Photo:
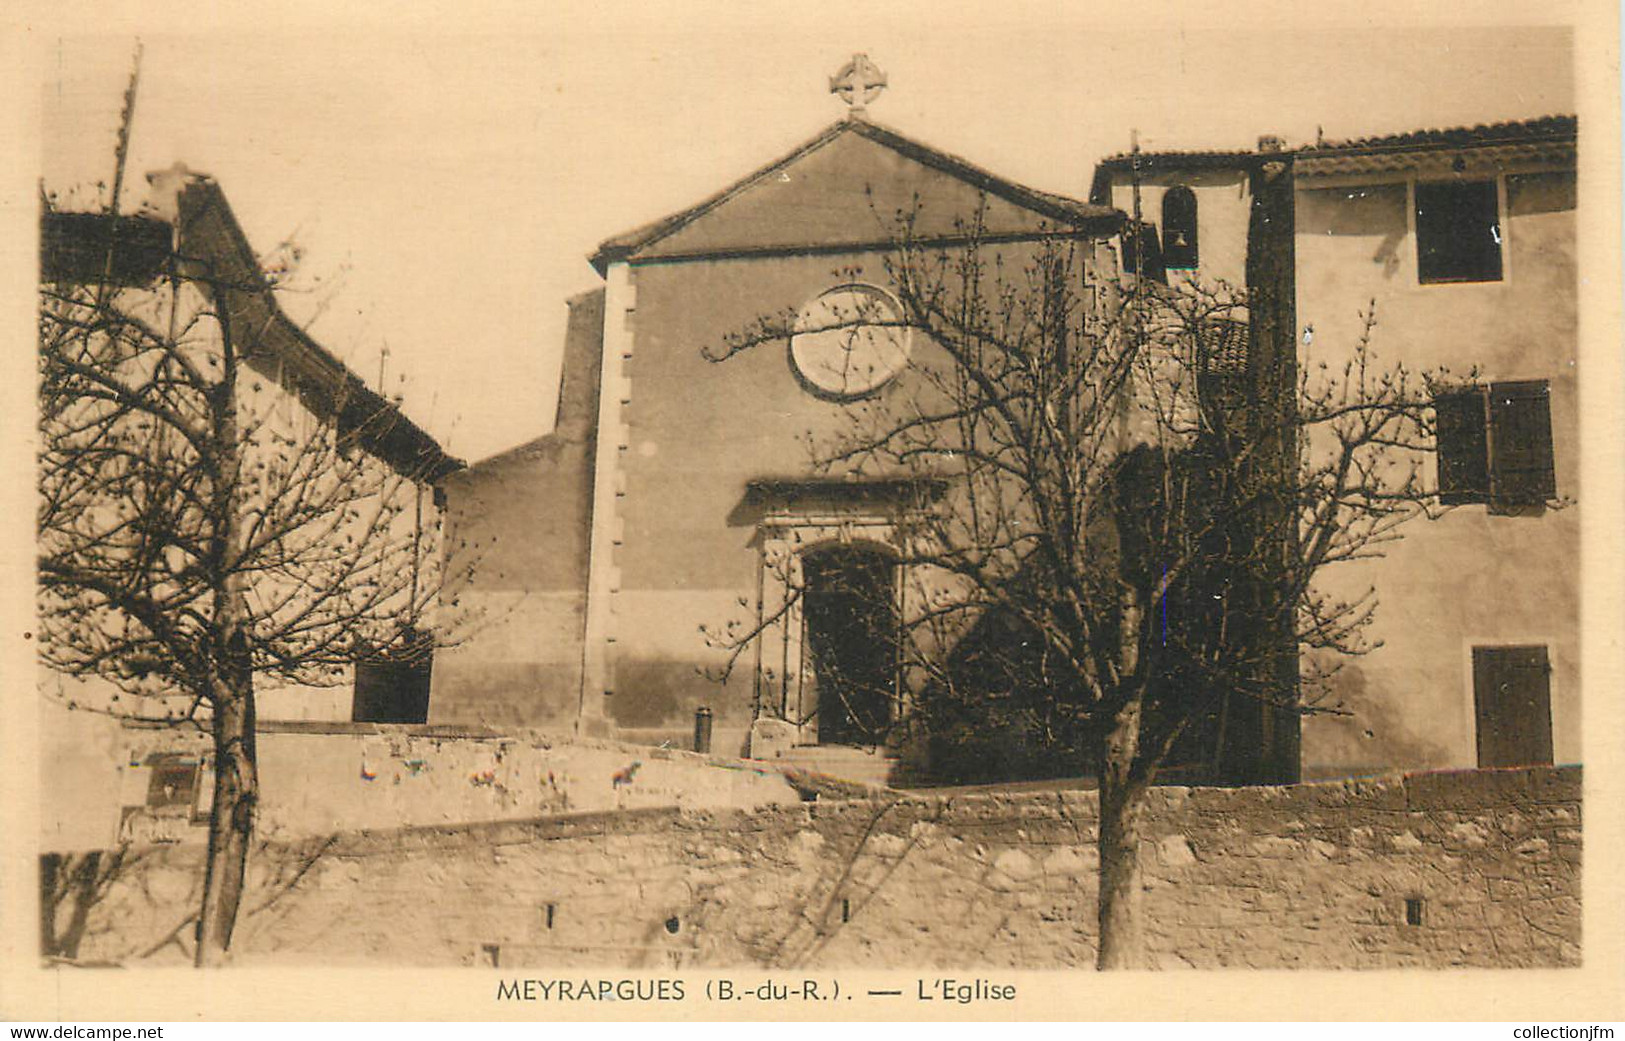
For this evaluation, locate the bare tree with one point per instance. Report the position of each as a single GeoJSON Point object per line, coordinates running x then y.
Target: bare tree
{"type": "Point", "coordinates": [71, 885]}
{"type": "Point", "coordinates": [212, 511]}
{"type": "Point", "coordinates": [1118, 513]}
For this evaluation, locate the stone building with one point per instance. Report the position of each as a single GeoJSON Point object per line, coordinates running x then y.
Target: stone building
{"type": "Point", "coordinates": [1464, 241]}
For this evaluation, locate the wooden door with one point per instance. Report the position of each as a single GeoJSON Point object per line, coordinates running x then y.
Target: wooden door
{"type": "Point", "coordinates": [1512, 698]}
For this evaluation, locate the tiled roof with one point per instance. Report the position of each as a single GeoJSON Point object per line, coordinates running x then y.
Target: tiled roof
{"type": "Point", "coordinates": [1056, 207]}
{"type": "Point", "coordinates": [1190, 157]}
{"type": "Point", "coordinates": [209, 232]}
{"type": "Point", "coordinates": [1482, 148]}
{"type": "Point", "coordinates": [1546, 128]}
{"type": "Point", "coordinates": [1152, 162]}
{"type": "Point", "coordinates": [1542, 139]}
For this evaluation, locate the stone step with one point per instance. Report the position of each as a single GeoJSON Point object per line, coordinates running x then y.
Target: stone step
{"type": "Point", "coordinates": [858, 765]}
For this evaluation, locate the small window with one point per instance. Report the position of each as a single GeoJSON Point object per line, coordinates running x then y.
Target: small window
{"type": "Point", "coordinates": [391, 692]}
{"type": "Point", "coordinates": [1179, 228]}
{"type": "Point", "coordinates": [1458, 232]}
{"type": "Point", "coordinates": [1495, 444]}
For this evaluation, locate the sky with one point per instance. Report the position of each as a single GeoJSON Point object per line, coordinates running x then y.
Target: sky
{"type": "Point", "coordinates": [447, 175]}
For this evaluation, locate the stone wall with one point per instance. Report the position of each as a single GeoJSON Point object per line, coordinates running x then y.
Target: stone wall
{"type": "Point", "coordinates": [1434, 870]}
{"type": "Point", "coordinates": [320, 778]}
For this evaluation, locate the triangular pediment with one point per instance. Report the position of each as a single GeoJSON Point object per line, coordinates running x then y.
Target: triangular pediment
{"type": "Point", "coordinates": [851, 186]}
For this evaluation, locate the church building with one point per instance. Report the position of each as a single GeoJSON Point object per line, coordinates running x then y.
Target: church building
{"type": "Point", "coordinates": [672, 489]}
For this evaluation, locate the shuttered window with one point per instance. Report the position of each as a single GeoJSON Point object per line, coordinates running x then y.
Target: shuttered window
{"type": "Point", "coordinates": [1495, 444]}
{"type": "Point", "coordinates": [1142, 252]}
{"type": "Point", "coordinates": [1464, 458]}
{"type": "Point", "coordinates": [1521, 442]}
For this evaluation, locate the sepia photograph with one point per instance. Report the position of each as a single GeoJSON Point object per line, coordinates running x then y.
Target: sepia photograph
{"type": "Point", "coordinates": [768, 512]}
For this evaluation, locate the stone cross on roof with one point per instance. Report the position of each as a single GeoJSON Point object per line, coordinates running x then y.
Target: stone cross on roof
{"type": "Point", "coordinates": [859, 82]}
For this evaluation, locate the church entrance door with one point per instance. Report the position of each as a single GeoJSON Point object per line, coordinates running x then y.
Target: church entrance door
{"type": "Point", "coordinates": [850, 608]}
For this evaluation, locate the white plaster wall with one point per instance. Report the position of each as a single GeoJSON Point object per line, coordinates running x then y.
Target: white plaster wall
{"type": "Point", "coordinates": [1472, 577]}
{"type": "Point", "coordinates": [1223, 206]}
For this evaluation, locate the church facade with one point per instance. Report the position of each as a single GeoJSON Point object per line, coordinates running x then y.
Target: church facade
{"type": "Point", "coordinates": [675, 494]}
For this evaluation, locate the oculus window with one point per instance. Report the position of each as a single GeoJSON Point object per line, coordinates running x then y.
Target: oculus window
{"type": "Point", "coordinates": [1458, 232]}
{"type": "Point", "coordinates": [849, 341]}
{"type": "Point", "coordinates": [1495, 444]}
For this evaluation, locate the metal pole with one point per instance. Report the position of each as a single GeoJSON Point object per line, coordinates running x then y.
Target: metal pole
{"type": "Point", "coordinates": [702, 729]}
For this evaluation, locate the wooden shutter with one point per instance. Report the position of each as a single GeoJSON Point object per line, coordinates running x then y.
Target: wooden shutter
{"type": "Point", "coordinates": [1521, 470]}
{"type": "Point", "coordinates": [1463, 451]}
{"type": "Point", "coordinates": [1512, 700]}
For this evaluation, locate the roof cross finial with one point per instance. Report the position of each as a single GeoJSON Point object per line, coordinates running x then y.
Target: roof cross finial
{"type": "Point", "coordinates": [859, 82]}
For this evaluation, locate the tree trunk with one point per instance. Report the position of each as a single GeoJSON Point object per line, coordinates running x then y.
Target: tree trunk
{"type": "Point", "coordinates": [231, 675]}
{"type": "Point", "coordinates": [1117, 840]}
{"type": "Point", "coordinates": [231, 825]}
{"type": "Point", "coordinates": [70, 878]}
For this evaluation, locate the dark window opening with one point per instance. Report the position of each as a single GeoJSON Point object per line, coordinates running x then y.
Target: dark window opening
{"type": "Point", "coordinates": [1512, 703]}
{"type": "Point", "coordinates": [1413, 910]}
{"type": "Point", "coordinates": [1495, 444]}
{"type": "Point", "coordinates": [1458, 232]}
{"type": "Point", "coordinates": [392, 685]}
{"type": "Point", "coordinates": [1179, 247]}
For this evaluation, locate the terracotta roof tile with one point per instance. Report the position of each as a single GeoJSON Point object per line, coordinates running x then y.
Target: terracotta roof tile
{"type": "Point", "coordinates": [1545, 128]}
{"type": "Point", "coordinates": [1542, 138]}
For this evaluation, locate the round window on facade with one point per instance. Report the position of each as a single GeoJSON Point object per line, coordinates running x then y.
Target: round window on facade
{"type": "Point", "coordinates": [849, 341]}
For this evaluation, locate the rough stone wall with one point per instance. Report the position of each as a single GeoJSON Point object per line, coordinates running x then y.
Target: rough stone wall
{"type": "Point", "coordinates": [1311, 876]}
